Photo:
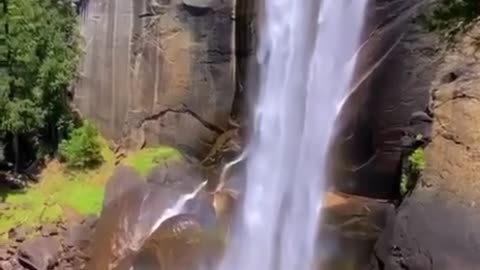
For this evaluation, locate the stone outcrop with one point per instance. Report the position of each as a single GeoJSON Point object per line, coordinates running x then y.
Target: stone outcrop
{"type": "Point", "coordinates": [396, 64]}
{"type": "Point", "coordinates": [158, 72]}
{"type": "Point", "coordinates": [437, 226]}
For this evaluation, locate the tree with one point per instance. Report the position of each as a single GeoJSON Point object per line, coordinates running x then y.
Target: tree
{"type": "Point", "coordinates": [42, 60]}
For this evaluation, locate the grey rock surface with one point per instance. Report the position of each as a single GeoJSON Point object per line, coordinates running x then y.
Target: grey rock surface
{"type": "Point", "coordinates": [437, 226]}
{"type": "Point", "coordinates": [396, 64]}
{"type": "Point", "coordinates": [155, 71]}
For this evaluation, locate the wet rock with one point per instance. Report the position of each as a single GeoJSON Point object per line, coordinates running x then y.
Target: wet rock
{"type": "Point", "coordinates": [40, 253]}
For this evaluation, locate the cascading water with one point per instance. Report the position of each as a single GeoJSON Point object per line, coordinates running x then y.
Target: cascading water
{"type": "Point", "coordinates": [307, 56]}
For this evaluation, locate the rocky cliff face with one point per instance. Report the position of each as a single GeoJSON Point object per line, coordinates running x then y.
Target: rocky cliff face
{"type": "Point", "coordinates": [437, 227]}
{"type": "Point", "coordinates": [395, 67]}
{"type": "Point", "coordinates": [158, 72]}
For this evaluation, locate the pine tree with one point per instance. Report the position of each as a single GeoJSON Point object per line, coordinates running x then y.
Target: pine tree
{"type": "Point", "coordinates": [41, 61]}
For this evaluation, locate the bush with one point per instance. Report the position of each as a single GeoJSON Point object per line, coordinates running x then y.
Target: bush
{"type": "Point", "coordinates": [82, 149]}
{"type": "Point", "coordinates": [412, 170]}
{"type": "Point", "coordinates": [452, 16]}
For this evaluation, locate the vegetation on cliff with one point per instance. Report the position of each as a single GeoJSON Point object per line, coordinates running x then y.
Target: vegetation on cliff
{"type": "Point", "coordinates": [452, 16]}
{"type": "Point", "coordinates": [412, 169]}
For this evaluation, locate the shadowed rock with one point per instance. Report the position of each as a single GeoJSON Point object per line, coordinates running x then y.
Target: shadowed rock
{"type": "Point", "coordinates": [437, 226]}
{"type": "Point", "coordinates": [396, 63]}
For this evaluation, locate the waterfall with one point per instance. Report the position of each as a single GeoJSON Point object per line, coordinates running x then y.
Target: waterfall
{"type": "Point", "coordinates": [307, 55]}
{"type": "Point", "coordinates": [178, 207]}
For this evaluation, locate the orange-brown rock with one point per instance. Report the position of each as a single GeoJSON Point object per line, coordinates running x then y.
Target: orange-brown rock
{"type": "Point", "coordinates": [157, 72]}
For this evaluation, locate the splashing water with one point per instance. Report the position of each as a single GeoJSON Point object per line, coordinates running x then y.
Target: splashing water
{"type": "Point", "coordinates": [307, 56]}
{"type": "Point", "coordinates": [177, 208]}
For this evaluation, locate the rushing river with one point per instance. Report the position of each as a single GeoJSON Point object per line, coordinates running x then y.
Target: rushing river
{"type": "Point", "coordinates": [307, 56]}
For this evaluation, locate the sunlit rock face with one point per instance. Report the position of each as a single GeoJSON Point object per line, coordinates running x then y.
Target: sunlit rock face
{"type": "Point", "coordinates": [159, 71]}
{"type": "Point", "coordinates": [395, 67]}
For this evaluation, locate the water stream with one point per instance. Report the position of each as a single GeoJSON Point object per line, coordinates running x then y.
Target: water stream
{"type": "Point", "coordinates": [307, 55]}
{"type": "Point", "coordinates": [177, 207]}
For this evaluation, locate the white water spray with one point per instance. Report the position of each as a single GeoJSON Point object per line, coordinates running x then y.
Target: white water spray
{"type": "Point", "coordinates": [177, 208]}
{"type": "Point", "coordinates": [307, 56]}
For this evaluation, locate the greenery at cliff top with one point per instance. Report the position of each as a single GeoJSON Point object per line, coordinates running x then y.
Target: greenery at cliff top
{"type": "Point", "coordinates": [69, 194]}
{"type": "Point", "coordinates": [452, 16]}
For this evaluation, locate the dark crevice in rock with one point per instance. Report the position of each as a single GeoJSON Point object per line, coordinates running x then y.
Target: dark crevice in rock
{"type": "Point", "coordinates": [380, 263]}
{"type": "Point", "coordinates": [451, 137]}
{"type": "Point", "coordinates": [182, 110]}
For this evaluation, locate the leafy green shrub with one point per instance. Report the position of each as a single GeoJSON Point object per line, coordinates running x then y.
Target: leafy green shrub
{"type": "Point", "coordinates": [414, 166]}
{"type": "Point", "coordinates": [417, 160]}
{"type": "Point", "coordinates": [452, 16]}
{"type": "Point", "coordinates": [82, 149]}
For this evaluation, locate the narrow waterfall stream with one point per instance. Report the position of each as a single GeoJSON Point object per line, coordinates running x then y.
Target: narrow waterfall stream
{"type": "Point", "coordinates": [307, 56]}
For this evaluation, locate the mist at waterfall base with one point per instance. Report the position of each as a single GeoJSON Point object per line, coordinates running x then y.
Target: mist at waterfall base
{"type": "Point", "coordinates": [307, 56]}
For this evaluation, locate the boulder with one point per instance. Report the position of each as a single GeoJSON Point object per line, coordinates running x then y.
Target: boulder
{"type": "Point", "coordinates": [40, 253]}
{"type": "Point", "coordinates": [19, 233]}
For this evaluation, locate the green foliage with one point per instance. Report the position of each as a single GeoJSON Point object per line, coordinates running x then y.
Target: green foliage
{"type": "Point", "coordinates": [83, 148]}
{"type": "Point", "coordinates": [39, 59]}
{"type": "Point", "coordinates": [48, 202]}
{"type": "Point", "coordinates": [146, 159]}
{"type": "Point", "coordinates": [417, 160]}
{"type": "Point", "coordinates": [452, 16]}
{"type": "Point", "coordinates": [412, 170]}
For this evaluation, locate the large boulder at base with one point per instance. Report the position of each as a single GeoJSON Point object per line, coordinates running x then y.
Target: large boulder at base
{"type": "Point", "coordinates": [438, 226]}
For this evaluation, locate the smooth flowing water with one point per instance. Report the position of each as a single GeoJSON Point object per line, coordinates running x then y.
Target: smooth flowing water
{"type": "Point", "coordinates": [307, 56]}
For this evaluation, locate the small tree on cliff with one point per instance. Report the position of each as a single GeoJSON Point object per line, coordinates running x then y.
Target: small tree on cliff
{"type": "Point", "coordinates": [42, 60]}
